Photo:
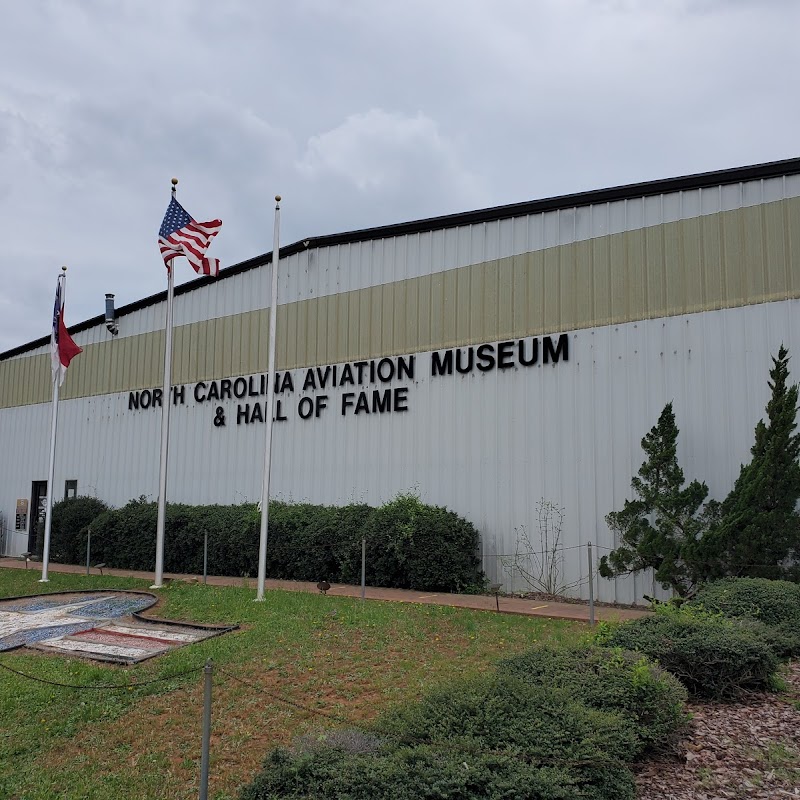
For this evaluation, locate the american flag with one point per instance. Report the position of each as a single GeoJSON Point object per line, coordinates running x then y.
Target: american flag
{"type": "Point", "coordinates": [180, 235]}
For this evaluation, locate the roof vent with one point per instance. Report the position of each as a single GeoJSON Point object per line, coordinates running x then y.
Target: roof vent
{"type": "Point", "coordinates": [111, 321]}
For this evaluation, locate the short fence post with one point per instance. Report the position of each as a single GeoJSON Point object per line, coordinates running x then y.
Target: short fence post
{"type": "Point", "coordinates": [591, 586]}
{"type": "Point", "coordinates": [88, 547]}
{"type": "Point", "coordinates": [363, 568]}
{"type": "Point", "coordinates": [495, 588]}
{"type": "Point", "coordinates": [208, 671]}
{"type": "Point", "coordinates": [205, 556]}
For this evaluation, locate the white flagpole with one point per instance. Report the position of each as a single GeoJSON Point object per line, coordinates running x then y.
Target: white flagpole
{"type": "Point", "coordinates": [48, 519]}
{"type": "Point", "coordinates": [273, 316]}
{"type": "Point", "coordinates": [165, 407]}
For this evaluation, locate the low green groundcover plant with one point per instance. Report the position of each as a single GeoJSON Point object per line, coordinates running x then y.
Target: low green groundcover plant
{"type": "Point", "coordinates": [769, 601]}
{"type": "Point", "coordinates": [423, 773]}
{"type": "Point", "coordinates": [610, 679]}
{"type": "Point", "coordinates": [774, 603]}
{"type": "Point", "coordinates": [712, 656]}
{"type": "Point", "coordinates": [489, 737]}
{"type": "Point", "coordinates": [409, 544]}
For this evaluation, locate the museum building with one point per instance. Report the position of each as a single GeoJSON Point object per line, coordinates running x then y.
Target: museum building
{"type": "Point", "coordinates": [487, 361]}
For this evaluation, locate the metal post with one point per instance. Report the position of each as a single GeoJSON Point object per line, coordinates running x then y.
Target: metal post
{"type": "Point", "coordinates": [273, 322]}
{"type": "Point", "coordinates": [208, 671]}
{"type": "Point", "coordinates": [48, 518]}
{"type": "Point", "coordinates": [591, 587]}
{"type": "Point", "coordinates": [363, 568]}
{"type": "Point", "coordinates": [50, 481]}
{"type": "Point", "coordinates": [165, 406]}
{"type": "Point", "coordinates": [205, 556]}
{"type": "Point", "coordinates": [88, 547]}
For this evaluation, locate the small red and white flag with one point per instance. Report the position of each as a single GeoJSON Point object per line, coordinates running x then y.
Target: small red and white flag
{"type": "Point", "coordinates": [180, 235]}
{"type": "Point", "coordinates": [62, 348]}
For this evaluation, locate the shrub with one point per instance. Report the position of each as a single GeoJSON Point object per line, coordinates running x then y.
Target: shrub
{"type": "Point", "coordinates": [775, 604]}
{"type": "Point", "coordinates": [126, 537]}
{"type": "Point", "coordinates": [410, 545]}
{"type": "Point", "coordinates": [713, 657]}
{"type": "Point", "coordinates": [501, 711]}
{"type": "Point", "coordinates": [71, 518]}
{"type": "Point", "coordinates": [421, 773]}
{"type": "Point", "coordinates": [300, 542]}
{"type": "Point", "coordinates": [609, 680]}
{"type": "Point", "coordinates": [484, 738]}
{"type": "Point", "coordinates": [772, 602]}
{"type": "Point", "coordinates": [783, 639]}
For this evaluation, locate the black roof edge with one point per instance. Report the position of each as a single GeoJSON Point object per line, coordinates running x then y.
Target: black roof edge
{"type": "Point", "coordinates": [701, 180]}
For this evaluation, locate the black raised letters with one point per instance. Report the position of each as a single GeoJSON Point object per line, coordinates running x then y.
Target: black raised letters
{"type": "Point", "coordinates": [561, 349]}
{"type": "Point", "coordinates": [305, 408]}
{"type": "Point", "coordinates": [442, 363]}
{"type": "Point", "coordinates": [505, 355]}
{"type": "Point", "coordinates": [469, 360]}
{"type": "Point", "coordinates": [486, 358]}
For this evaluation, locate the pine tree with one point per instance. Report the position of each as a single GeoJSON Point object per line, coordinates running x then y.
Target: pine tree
{"type": "Point", "coordinates": [760, 527]}
{"type": "Point", "coordinates": [661, 529]}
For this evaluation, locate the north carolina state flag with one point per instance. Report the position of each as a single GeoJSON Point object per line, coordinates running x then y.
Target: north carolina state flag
{"type": "Point", "coordinates": [62, 348]}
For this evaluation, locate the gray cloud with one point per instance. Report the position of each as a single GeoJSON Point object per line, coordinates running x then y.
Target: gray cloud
{"type": "Point", "coordinates": [358, 113]}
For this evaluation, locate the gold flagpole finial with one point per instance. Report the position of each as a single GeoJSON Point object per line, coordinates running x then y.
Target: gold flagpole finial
{"type": "Point", "coordinates": [174, 185]}
{"type": "Point", "coordinates": [63, 269]}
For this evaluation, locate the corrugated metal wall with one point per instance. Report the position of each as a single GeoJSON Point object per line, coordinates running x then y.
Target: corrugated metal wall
{"type": "Point", "coordinates": [623, 278]}
{"type": "Point", "coordinates": [721, 260]}
{"type": "Point", "coordinates": [487, 445]}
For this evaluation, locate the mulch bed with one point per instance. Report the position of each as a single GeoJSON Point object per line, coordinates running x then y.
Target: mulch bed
{"type": "Point", "coordinates": [747, 749]}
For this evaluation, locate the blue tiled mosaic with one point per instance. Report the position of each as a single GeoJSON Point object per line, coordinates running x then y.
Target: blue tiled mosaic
{"type": "Point", "coordinates": [43, 605]}
{"type": "Point", "coordinates": [100, 607]}
{"type": "Point", "coordinates": [113, 607]}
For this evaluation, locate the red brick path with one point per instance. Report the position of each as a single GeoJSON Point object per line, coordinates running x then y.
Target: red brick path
{"type": "Point", "coordinates": [508, 605]}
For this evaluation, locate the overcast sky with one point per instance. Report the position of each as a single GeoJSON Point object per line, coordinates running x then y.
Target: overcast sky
{"type": "Point", "coordinates": [358, 112]}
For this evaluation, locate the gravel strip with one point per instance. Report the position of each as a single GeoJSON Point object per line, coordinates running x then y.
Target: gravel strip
{"type": "Point", "coordinates": [748, 749]}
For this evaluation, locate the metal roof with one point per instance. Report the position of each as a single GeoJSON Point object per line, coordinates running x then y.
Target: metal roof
{"type": "Point", "coordinates": [634, 190]}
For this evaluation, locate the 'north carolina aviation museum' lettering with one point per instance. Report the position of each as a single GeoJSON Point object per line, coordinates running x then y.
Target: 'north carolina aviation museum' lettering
{"type": "Point", "coordinates": [382, 400]}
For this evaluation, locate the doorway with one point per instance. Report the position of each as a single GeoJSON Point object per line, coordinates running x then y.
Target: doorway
{"type": "Point", "coordinates": [38, 513]}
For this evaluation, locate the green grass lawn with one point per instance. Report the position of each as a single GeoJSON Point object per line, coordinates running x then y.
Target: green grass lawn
{"type": "Point", "coordinates": [334, 655]}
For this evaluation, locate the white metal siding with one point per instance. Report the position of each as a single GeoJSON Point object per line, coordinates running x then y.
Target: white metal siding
{"type": "Point", "coordinates": [485, 445]}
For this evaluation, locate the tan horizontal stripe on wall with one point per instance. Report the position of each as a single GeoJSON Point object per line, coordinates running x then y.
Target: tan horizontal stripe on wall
{"type": "Point", "coordinates": [749, 255]}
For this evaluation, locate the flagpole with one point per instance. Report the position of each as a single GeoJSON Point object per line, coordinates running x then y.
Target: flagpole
{"type": "Point", "coordinates": [48, 518]}
{"type": "Point", "coordinates": [165, 407]}
{"type": "Point", "coordinates": [273, 316]}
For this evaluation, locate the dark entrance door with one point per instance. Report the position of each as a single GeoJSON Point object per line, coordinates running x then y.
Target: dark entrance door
{"type": "Point", "coordinates": [38, 512]}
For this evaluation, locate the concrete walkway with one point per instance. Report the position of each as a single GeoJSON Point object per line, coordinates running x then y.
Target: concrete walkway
{"type": "Point", "coordinates": [508, 605]}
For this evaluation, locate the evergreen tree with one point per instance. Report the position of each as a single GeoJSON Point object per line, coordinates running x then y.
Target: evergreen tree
{"type": "Point", "coordinates": [661, 529]}
{"type": "Point", "coordinates": [760, 527]}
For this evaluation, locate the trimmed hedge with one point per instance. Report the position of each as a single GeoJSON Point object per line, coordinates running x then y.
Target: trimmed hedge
{"type": "Point", "coordinates": [422, 773]}
{"type": "Point", "coordinates": [489, 737]}
{"type": "Point", "coordinates": [712, 656]}
{"type": "Point", "coordinates": [610, 679]}
{"type": "Point", "coordinates": [775, 604]}
{"type": "Point", "coordinates": [68, 526]}
{"type": "Point", "coordinates": [769, 601]}
{"type": "Point", "coordinates": [409, 544]}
